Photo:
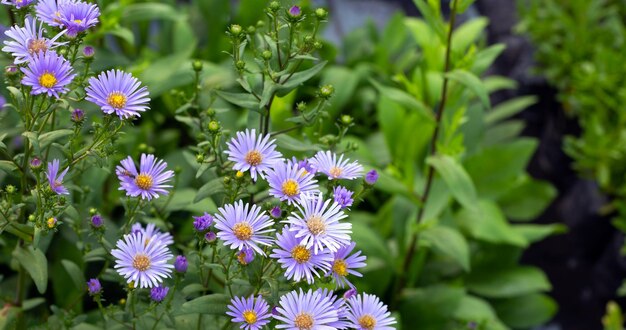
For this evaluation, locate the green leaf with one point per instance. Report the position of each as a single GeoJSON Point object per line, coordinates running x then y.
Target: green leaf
{"type": "Point", "coordinates": [467, 33]}
{"type": "Point", "coordinates": [528, 200]}
{"type": "Point", "coordinates": [287, 142]}
{"type": "Point", "coordinates": [526, 311]}
{"type": "Point", "coordinates": [35, 263]}
{"type": "Point", "coordinates": [535, 233]}
{"type": "Point", "coordinates": [431, 307]}
{"type": "Point", "coordinates": [299, 78]}
{"type": "Point", "coordinates": [75, 273]}
{"type": "Point", "coordinates": [472, 82]}
{"type": "Point", "coordinates": [473, 309]}
{"type": "Point", "coordinates": [456, 178]}
{"type": "Point", "coordinates": [486, 222]}
{"type": "Point", "coordinates": [46, 139]}
{"type": "Point", "coordinates": [7, 166]}
{"type": "Point", "coordinates": [150, 11]}
{"type": "Point", "coordinates": [485, 58]}
{"type": "Point", "coordinates": [34, 141]}
{"type": "Point", "coordinates": [242, 100]}
{"type": "Point", "coordinates": [213, 304]}
{"type": "Point", "coordinates": [508, 283]}
{"type": "Point", "coordinates": [404, 99]}
{"type": "Point", "coordinates": [449, 242]}
{"type": "Point", "coordinates": [462, 5]}
{"type": "Point", "coordinates": [212, 187]}
{"type": "Point", "coordinates": [509, 108]}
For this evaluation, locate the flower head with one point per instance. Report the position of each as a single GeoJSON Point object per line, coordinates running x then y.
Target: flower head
{"type": "Point", "coordinates": [35, 163]}
{"type": "Point", "coordinates": [350, 293]}
{"type": "Point", "coordinates": [336, 168]}
{"type": "Point", "coordinates": [180, 264]}
{"type": "Point", "coordinates": [299, 261]}
{"type": "Point", "coordinates": [149, 182]}
{"type": "Point", "coordinates": [28, 41]}
{"type": "Point", "coordinates": [49, 11]}
{"type": "Point", "coordinates": [276, 212]}
{"type": "Point", "coordinates": [340, 306]}
{"type": "Point", "coordinates": [118, 92]}
{"type": "Point", "coordinates": [343, 265]}
{"type": "Point", "coordinates": [252, 152]}
{"type": "Point", "coordinates": [310, 310]}
{"type": "Point", "coordinates": [88, 52]}
{"type": "Point", "coordinates": [245, 256]}
{"type": "Point", "coordinates": [288, 182]}
{"type": "Point", "coordinates": [294, 11]}
{"type": "Point", "coordinates": [55, 179]}
{"type": "Point", "coordinates": [96, 221]}
{"type": "Point", "coordinates": [51, 222]}
{"type": "Point", "coordinates": [202, 222]}
{"type": "Point", "coordinates": [317, 225]}
{"type": "Point", "coordinates": [17, 3]}
{"type": "Point", "coordinates": [210, 236]}
{"type": "Point", "coordinates": [48, 73]}
{"type": "Point", "coordinates": [343, 196]}
{"type": "Point", "coordinates": [252, 313]}
{"type": "Point", "coordinates": [242, 226]}
{"type": "Point", "coordinates": [93, 286]}
{"type": "Point", "coordinates": [152, 232]}
{"type": "Point", "coordinates": [141, 260]}
{"type": "Point", "coordinates": [78, 115]}
{"type": "Point", "coordinates": [371, 177]}
{"type": "Point", "coordinates": [367, 312]}
{"type": "Point", "coordinates": [78, 16]}
{"type": "Point", "coordinates": [158, 293]}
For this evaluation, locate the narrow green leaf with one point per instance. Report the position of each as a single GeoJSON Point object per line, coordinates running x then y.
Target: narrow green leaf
{"type": "Point", "coordinates": [299, 78]}
{"type": "Point", "coordinates": [75, 273]}
{"type": "Point", "coordinates": [456, 178]}
{"type": "Point", "coordinates": [472, 82]}
{"type": "Point", "coordinates": [242, 100]}
{"type": "Point", "coordinates": [405, 99]}
{"type": "Point", "coordinates": [287, 142]}
{"type": "Point", "coordinates": [535, 233]}
{"type": "Point", "coordinates": [527, 200]}
{"type": "Point", "coordinates": [35, 263]}
{"type": "Point", "coordinates": [509, 108]}
{"type": "Point", "coordinates": [46, 139]}
{"type": "Point", "coordinates": [487, 223]}
{"type": "Point", "coordinates": [508, 283]}
{"type": "Point", "coordinates": [213, 304]}
{"type": "Point", "coordinates": [467, 33]}
{"type": "Point", "coordinates": [150, 11]}
{"type": "Point", "coordinates": [212, 187]}
{"type": "Point", "coordinates": [527, 311]}
{"type": "Point", "coordinates": [449, 242]}
{"type": "Point", "coordinates": [34, 141]}
{"type": "Point", "coordinates": [7, 166]}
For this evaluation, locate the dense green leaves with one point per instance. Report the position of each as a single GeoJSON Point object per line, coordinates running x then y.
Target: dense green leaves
{"type": "Point", "coordinates": [449, 242]}
{"type": "Point", "coordinates": [35, 263]}
{"type": "Point", "coordinates": [508, 283]}
{"type": "Point", "coordinates": [457, 179]}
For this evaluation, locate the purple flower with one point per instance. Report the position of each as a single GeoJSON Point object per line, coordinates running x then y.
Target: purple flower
{"type": "Point", "coordinates": [118, 92]}
{"type": "Point", "coordinates": [311, 310]}
{"type": "Point", "coordinates": [340, 307]}
{"type": "Point", "coordinates": [48, 73]}
{"type": "Point", "coordinates": [94, 287]}
{"type": "Point", "coordinates": [252, 313]}
{"type": "Point", "coordinates": [371, 177]}
{"type": "Point", "coordinates": [305, 164]}
{"type": "Point", "coordinates": [158, 293]}
{"type": "Point", "coordinates": [78, 115]}
{"type": "Point", "coordinates": [317, 225]}
{"type": "Point", "coordinates": [88, 52]}
{"type": "Point", "coordinates": [299, 261]}
{"type": "Point", "coordinates": [276, 212]}
{"type": "Point", "coordinates": [78, 16]}
{"type": "Point", "coordinates": [202, 222]}
{"type": "Point", "coordinates": [25, 42]}
{"type": "Point", "coordinates": [343, 196]}
{"type": "Point", "coordinates": [96, 221]}
{"type": "Point", "coordinates": [142, 260]}
{"type": "Point", "coordinates": [149, 182]}
{"type": "Point", "coordinates": [350, 293]}
{"type": "Point", "coordinates": [55, 179]}
{"type": "Point", "coordinates": [327, 163]}
{"type": "Point", "coordinates": [180, 264]}
{"type": "Point", "coordinates": [245, 256]}
{"type": "Point", "coordinates": [288, 182]}
{"type": "Point", "coordinates": [242, 226]}
{"type": "Point", "coordinates": [17, 3]}
{"type": "Point", "coordinates": [366, 311]}
{"type": "Point", "coordinates": [295, 11]}
{"type": "Point", "coordinates": [343, 265]}
{"type": "Point", "coordinates": [210, 237]}
{"type": "Point", "coordinates": [35, 163]}
{"type": "Point", "coordinates": [252, 152]}
{"type": "Point", "coordinates": [49, 11]}
{"type": "Point", "coordinates": [152, 232]}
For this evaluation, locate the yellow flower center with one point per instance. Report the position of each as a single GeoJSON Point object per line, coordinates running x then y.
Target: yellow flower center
{"type": "Point", "coordinates": [335, 172]}
{"type": "Point", "coordinates": [117, 100]}
{"type": "Point", "coordinates": [300, 254]}
{"type": "Point", "coordinates": [243, 231]}
{"type": "Point", "coordinates": [304, 321]}
{"type": "Point", "coordinates": [51, 222]}
{"type": "Point", "coordinates": [144, 181]}
{"type": "Point", "coordinates": [37, 45]}
{"type": "Point", "coordinates": [367, 322]}
{"type": "Point", "coordinates": [340, 267]}
{"type": "Point", "coordinates": [47, 80]}
{"type": "Point", "coordinates": [250, 316]}
{"type": "Point", "coordinates": [254, 158]}
{"type": "Point", "coordinates": [141, 262]}
{"type": "Point", "coordinates": [290, 188]}
{"type": "Point", "coordinates": [78, 21]}
{"type": "Point", "coordinates": [316, 225]}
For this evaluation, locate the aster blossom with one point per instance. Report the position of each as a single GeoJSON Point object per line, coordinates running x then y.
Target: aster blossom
{"type": "Point", "coordinates": [243, 226]}
{"type": "Point", "coordinates": [299, 261]}
{"type": "Point", "coordinates": [48, 73]}
{"type": "Point", "coordinates": [251, 152]}
{"type": "Point", "coordinates": [252, 313]}
{"type": "Point", "coordinates": [118, 92]}
{"type": "Point", "coordinates": [288, 181]}
{"type": "Point", "coordinates": [336, 168]}
{"type": "Point", "coordinates": [152, 232]}
{"type": "Point", "coordinates": [55, 179]}
{"type": "Point", "coordinates": [143, 261]}
{"type": "Point", "coordinates": [340, 306]}
{"type": "Point", "coordinates": [25, 42]}
{"type": "Point", "coordinates": [366, 311]}
{"type": "Point", "coordinates": [149, 182]}
{"type": "Point", "coordinates": [17, 3]}
{"type": "Point", "coordinates": [343, 196]}
{"type": "Point", "coordinates": [344, 264]}
{"type": "Point", "coordinates": [49, 11]}
{"type": "Point", "coordinates": [310, 310]}
{"type": "Point", "coordinates": [317, 223]}
{"type": "Point", "coordinates": [78, 16]}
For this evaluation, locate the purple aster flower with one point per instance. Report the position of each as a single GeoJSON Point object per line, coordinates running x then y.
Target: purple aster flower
{"type": "Point", "coordinates": [276, 212]}
{"type": "Point", "coordinates": [252, 313]}
{"type": "Point", "coordinates": [78, 115]}
{"type": "Point", "coordinates": [366, 311]}
{"type": "Point", "coordinates": [350, 293]}
{"type": "Point", "coordinates": [288, 182]}
{"type": "Point", "coordinates": [327, 163]}
{"type": "Point", "coordinates": [48, 73]}
{"type": "Point", "coordinates": [245, 256]}
{"type": "Point", "coordinates": [371, 177]}
{"type": "Point", "coordinates": [25, 42]}
{"type": "Point", "coordinates": [343, 265]}
{"type": "Point", "coordinates": [299, 261]}
{"type": "Point", "coordinates": [295, 11]}
{"type": "Point", "coordinates": [210, 237]}
{"type": "Point", "coordinates": [35, 163]}
{"type": "Point", "coordinates": [305, 164]}
{"type": "Point", "coordinates": [141, 260]}
{"type": "Point", "coordinates": [118, 92]}
{"type": "Point", "coordinates": [88, 52]}
{"type": "Point", "coordinates": [317, 224]}
{"type": "Point", "coordinates": [180, 264]}
{"type": "Point", "coordinates": [158, 293]}
{"type": "Point", "coordinates": [78, 16]}
{"type": "Point", "coordinates": [17, 3]}
{"type": "Point", "coordinates": [96, 221]}
{"type": "Point", "coordinates": [252, 152]}
{"type": "Point", "coordinates": [311, 310]}
{"type": "Point", "coordinates": [94, 287]}
{"type": "Point", "coordinates": [49, 11]}
{"type": "Point", "coordinates": [149, 182]}
{"type": "Point", "coordinates": [343, 196]}
{"type": "Point", "coordinates": [55, 179]}
{"type": "Point", "coordinates": [152, 232]}
{"type": "Point", "coordinates": [340, 307]}
{"type": "Point", "coordinates": [242, 226]}
{"type": "Point", "coordinates": [202, 222]}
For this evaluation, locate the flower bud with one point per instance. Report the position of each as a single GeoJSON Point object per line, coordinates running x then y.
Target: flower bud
{"type": "Point", "coordinates": [318, 45]}
{"type": "Point", "coordinates": [93, 211]}
{"type": "Point", "coordinates": [10, 70]}
{"type": "Point", "coordinates": [63, 51]}
{"type": "Point", "coordinates": [235, 30]}
{"type": "Point", "coordinates": [203, 222]}
{"type": "Point", "coordinates": [274, 6]}
{"type": "Point", "coordinates": [326, 91]}
{"type": "Point", "coordinates": [88, 52]}
{"type": "Point", "coordinates": [51, 222]}
{"type": "Point", "coordinates": [158, 293]}
{"type": "Point", "coordinates": [9, 189]}
{"type": "Point", "coordinates": [240, 65]}
{"type": "Point", "coordinates": [96, 221]}
{"type": "Point", "coordinates": [294, 12]}
{"type": "Point", "coordinates": [371, 177]}
{"type": "Point", "coordinates": [350, 293]}
{"type": "Point", "coordinates": [214, 126]}
{"type": "Point", "coordinates": [251, 29]}
{"type": "Point", "coordinates": [301, 106]}
{"type": "Point", "coordinates": [32, 218]}
{"type": "Point", "coordinates": [260, 23]}
{"type": "Point", "coordinates": [210, 112]}
{"type": "Point", "coordinates": [321, 13]}
{"type": "Point", "coordinates": [78, 116]}
{"type": "Point", "coordinates": [266, 55]}
{"type": "Point", "coordinates": [199, 158]}
{"type": "Point", "coordinates": [94, 287]}
{"type": "Point", "coordinates": [346, 120]}
{"type": "Point", "coordinates": [180, 264]}
{"type": "Point", "coordinates": [239, 175]}
{"type": "Point", "coordinates": [197, 65]}
{"type": "Point", "coordinates": [276, 212]}
{"type": "Point", "coordinates": [210, 237]}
